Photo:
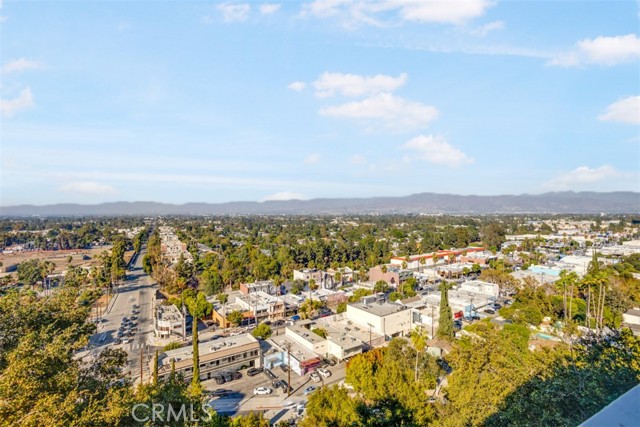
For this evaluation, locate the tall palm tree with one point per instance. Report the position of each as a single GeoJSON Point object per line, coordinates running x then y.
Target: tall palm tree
{"type": "Point", "coordinates": [419, 341]}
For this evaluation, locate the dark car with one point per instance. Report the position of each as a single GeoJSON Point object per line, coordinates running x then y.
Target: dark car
{"type": "Point", "coordinates": [270, 374]}
{"type": "Point", "coordinates": [330, 362]}
{"type": "Point", "coordinates": [228, 376]}
{"type": "Point", "coordinates": [221, 392]}
{"type": "Point", "coordinates": [219, 379]}
{"type": "Point", "coordinates": [254, 371]}
{"type": "Point", "coordinates": [489, 311]}
{"type": "Point", "coordinates": [237, 375]}
{"type": "Point", "coordinates": [285, 386]}
{"type": "Point", "coordinates": [284, 368]}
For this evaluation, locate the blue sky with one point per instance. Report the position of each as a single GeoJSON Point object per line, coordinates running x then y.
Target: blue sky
{"type": "Point", "coordinates": [213, 102]}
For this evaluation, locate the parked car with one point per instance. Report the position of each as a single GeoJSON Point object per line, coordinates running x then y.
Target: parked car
{"type": "Point", "coordinates": [285, 386]}
{"type": "Point", "coordinates": [252, 372]}
{"type": "Point", "coordinates": [237, 375]}
{"type": "Point", "coordinates": [219, 379]}
{"type": "Point", "coordinates": [489, 311]}
{"type": "Point", "coordinates": [284, 368]}
{"type": "Point", "coordinates": [309, 390]}
{"type": "Point", "coordinates": [221, 392]}
{"type": "Point", "coordinates": [315, 377]}
{"type": "Point", "coordinates": [324, 372]}
{"type": "Point", "coordinates": [261, 390]}
{"type": "Point", "coordinates": [330, 362]}
{"type": "Point", "coordinates": [228, 376]}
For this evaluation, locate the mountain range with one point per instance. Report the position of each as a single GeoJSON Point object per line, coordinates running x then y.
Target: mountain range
{"type": "Point", "coordinates": [422, 203]}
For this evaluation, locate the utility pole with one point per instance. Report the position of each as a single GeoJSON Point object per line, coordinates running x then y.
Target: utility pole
{"type": "Point", "coordinates": [432, 321]}
{"type": "Point", "coordinates": [287, 346]}
{"type": "Point", "coordinates": [141, 362]}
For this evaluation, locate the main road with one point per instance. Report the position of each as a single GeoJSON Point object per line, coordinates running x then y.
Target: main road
{"type": "Point", "coordinates": [137, 290]}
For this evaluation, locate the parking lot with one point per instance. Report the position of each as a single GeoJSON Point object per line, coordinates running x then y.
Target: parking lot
{"type": "Point", "coordinates": [276, 405]}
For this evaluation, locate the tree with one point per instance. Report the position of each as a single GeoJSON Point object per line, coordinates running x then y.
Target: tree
{"type": "Point", "coordinates": [332, 406]}
{"type": "Point", "coordinates": [419, 341]}
{"type": "Point", "coordinates": [199, 307]}
{"type": "Point", "coordinates": [445, 322]}
{"type": "Point", "coordinates": [235, 317]}
{"type": "Point", "coordinates": [342, 307]}
{"type": "Point", "coordinates": [262, 331]}
{"type": "Point", "coordinates": [223, 298]}
{"type": "Point", "coordinates": [320, 331]}
{"type": "Point", "coordinates": [380, 286]}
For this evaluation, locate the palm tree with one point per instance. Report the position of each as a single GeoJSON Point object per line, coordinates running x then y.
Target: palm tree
{"type": "Point", "coordinates": [419, 341]}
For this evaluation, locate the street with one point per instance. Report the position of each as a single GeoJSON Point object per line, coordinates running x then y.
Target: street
{"type": "Point", "coordinates": [137, 290]}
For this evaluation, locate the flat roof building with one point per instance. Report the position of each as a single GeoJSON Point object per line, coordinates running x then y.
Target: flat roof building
{"type": "Point", "coordinates": [219, 355]}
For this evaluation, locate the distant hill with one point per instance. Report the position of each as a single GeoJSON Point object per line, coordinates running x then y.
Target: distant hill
{"type": "Point", "coordinates": [426, 203]}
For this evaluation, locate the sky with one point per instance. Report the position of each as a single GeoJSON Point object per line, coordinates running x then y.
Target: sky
{"type": "Point", "coordinates": [178, 101]}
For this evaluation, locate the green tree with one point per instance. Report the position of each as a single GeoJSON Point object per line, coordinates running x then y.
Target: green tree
{"type": "Point", "coordinates": [199, 307]}
{"type": "Point", "coordinates": [380, 286]}
{"type": "Point", "coordinates": [223, 298]}
{"type": "Point", "coordinates": [262, 331]}
{"type": "Point", "coordinates": [332, 406]}
{"type": "Point", "coordinates": [235, 317]}
{"type": "Point", "coordinates": [320, 331]}
{"type": "Point", "coordinates": [419, 341]}
{"type": "Point", "coordinates": [445, 322]}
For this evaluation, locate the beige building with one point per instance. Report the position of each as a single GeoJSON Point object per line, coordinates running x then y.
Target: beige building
{"type": "Point", "coordinates": [216, 356]}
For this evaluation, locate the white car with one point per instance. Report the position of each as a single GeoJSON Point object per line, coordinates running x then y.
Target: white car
{"type": "Point", "coordinates": [315, 377]}
{"type": "Point", "coordinates": [324, 372]}
{"type": "Point", "coordinates": [261, 390]}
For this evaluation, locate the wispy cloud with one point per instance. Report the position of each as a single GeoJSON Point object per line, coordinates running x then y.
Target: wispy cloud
{"type": "Point", "coordinates": [435, 149]}
{"type": "Point", "coordinates": [21, 64]}
{"type": "Point", "coordinates": [232, 12]}
{"type": "Point", "coordinates": [383, 12]}
{"type": "Point", "coordinates": [354, 85]}
{"type": "Point", "coordinates": [10, 107]}
{"type": "Point", "coordinates": [312, 159]}
{"type": "Point", "coordinates": [607, 51]}
{"type": "Point", "coordinates": [626, 110]}
{"type": "Point", "coordinates": [87, 188]}
{"type": "Point", "coordinates": [284, 195]}
{"type": "Point", "coordinates": [269, 8]}
{"type": "Point", "coordinates": [298, 86]}
{"type": "Point", "coordinates": [584, 177]}
{"type": "Point", "coordinates": [358, 159]}
{"type": "Point", "coordinates": [395, 112]}
{"type": "Point", "coordinates": [485, 29]}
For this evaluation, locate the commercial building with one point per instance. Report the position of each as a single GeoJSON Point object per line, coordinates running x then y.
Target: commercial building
{"type": "Point", "coordinates": [387, 318]}
{"type": "Point", "coordinates": [168, 321]}
{"type": "Point", "coordinates": [216, 356]}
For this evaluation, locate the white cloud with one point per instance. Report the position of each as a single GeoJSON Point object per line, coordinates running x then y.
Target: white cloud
{"type": "Point", "coordinates": [358, 159]}
{"type": "Point", "coordinates": [435, 149]}
{"type": "Point", "coordinates": [601, 51]}
{"type": "Point", "coordinates": [234, 12]}
{"type": "Point", "coordinates": [312, 159]}
{"type": "Point", "coordinates": [284, 195]}
{"type": "Point", "coordinates": [9, 107]}
{"type": "Point", "coordinates": [487, 28]}
{"type": "Point", "coordinates": [87, 187]}
{"type": "Point", "coordinates": [585, 177]}
{"type": "Point", "coordinates": [269, 8]}
{"type": "Point", "coordinates": [373, 12]}
{"type": "Point", "coordinates": [354, 85]}
{"type": "Point", "coordinates": [625, 111]}
{"type": "Point", "coordinates": [21, 64]}
{"type": "Point", "coordinates": [446, 11]}
{"type": "Point", "coordinates": [395, 112]}
{"type": "Point", "coordinates": [297, 86]}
